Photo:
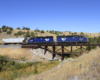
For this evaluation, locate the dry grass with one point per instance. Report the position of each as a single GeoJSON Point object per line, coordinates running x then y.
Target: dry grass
{"type": "Point", "coordinates": [86, 67]}
{"type": "Point", "coordinates": [17, 53]}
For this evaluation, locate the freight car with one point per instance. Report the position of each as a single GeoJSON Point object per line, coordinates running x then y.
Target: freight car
{"type": "Point", "coordinates": [14, 40]}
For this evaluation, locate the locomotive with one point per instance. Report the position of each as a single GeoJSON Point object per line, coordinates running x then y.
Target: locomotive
{"type": "Point", "coordinates": [75, 39]}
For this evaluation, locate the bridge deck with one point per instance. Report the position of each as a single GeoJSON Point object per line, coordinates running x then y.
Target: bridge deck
{"type": "Point", "coordinates": [60, 45]}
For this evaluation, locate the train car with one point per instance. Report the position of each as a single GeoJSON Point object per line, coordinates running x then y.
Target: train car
{"type": "Point", "coordinates": [14, 40]}
{"type": "Point", "coordinates": [76, 39]}
{"type": "Point", "coordinates": [41, 40]}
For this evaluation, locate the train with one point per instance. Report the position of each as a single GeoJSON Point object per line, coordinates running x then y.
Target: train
{"type": "Point", "coordinates": [70, 39]}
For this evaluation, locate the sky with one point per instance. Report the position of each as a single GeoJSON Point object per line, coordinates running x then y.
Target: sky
{"type": "Point", "coordinates": [57, 15]}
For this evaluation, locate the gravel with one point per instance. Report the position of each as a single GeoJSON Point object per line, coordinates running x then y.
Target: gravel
{"type": "Point", "coordinates": [11, 46]}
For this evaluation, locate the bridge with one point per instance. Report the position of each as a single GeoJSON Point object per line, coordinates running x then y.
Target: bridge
{"type": "Point", "coordinates": [54, 52]}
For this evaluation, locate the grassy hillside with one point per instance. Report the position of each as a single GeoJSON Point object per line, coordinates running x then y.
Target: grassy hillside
{"type": "Point", "coordinates": [86, 67]}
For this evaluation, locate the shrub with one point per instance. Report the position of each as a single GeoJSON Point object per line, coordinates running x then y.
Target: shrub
{"type": "Point", "coordinates": [19, 33]}
{"type": "Point", "coordinates": [27, 34]}
{"type": "Point", "coordinates": [32, 34]}
{"type": "Point", "coordinates": [18, 28]}
{"type": "Point", "coordinates": [8, 32]}
{"type": "Point", "coordinates": [69, 32]}
{"type": "Point", "coordinates": [35, 70]}
{"type": "Point", "coordinates": [27, 28]}
{"type": "Point", "coordinates": [93, 47]}
{"type": "Point", "coordinates": [3, 61]}
{"type": "Point", "coordinates": [15, 34]}
{"type": "Point", "coordinates": [72, 34]}
{"type": "Point", "coordinates": [23, 28]}
{"type": "Point", "coordinates": [10, 62]}
{"type": "Point", "coordinates": [81, 33]}
{"type": "Point", "coordinates": [3, 27]}
{"type": "Point", "coordinates": [42, 31]}
{"type": "Point", "coordinates": [75, 33]}
{"type": "Point", "coordinates": [10, 28]}
{"type": "Point", "coordinates": [17, 65]}
{"type": "Point", "coordinates": [4, 30]}
{"type": "Point", "coordinates": [72, 55]}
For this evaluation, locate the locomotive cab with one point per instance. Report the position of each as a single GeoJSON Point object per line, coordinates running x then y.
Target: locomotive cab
{"type": "Point", "coordinates": [31, 40]}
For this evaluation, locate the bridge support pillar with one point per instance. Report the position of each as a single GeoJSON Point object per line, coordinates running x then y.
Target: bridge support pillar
{"type": "Point", "coordinates": [53, 54]}
{"type": "Point", "coordinates": [62, 56]}
{"type": "Point", "coordinates": [71, 49]}
{"type": "Point", "coordinates": [45, 49]}
{"type": "Point", "coordinates": [89, 48]}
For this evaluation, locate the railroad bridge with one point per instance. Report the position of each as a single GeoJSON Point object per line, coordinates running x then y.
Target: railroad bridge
{"type": "Point", "coordinates": [54, 52]}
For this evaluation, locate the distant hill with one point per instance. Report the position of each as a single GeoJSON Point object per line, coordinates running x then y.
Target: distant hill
{"type": "Point", "coordinates": [46, 33]}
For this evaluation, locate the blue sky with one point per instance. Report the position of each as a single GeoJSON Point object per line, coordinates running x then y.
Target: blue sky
{"type": "Point", "coordinates": [58, 15]}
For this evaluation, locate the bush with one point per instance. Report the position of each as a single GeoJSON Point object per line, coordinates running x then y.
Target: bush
{"type": "Point", "coordinates": [23, 28]}
{"type": "Point", "coordinates": [72, 55]}
{"type": "Point", "coordinates": [72, 33]}
{"type": "Point", "coordinates": [35, 70]}
{"type": "Point", "coordinates": [27, 34]}
{"type": "Point", "coordinates": [8, 32]}
{"type": "Point", "coordinates": [69, 32]}
{"type": "Point", "coordinates": [4, 30]}
{"type": "Point", "coordinates": [18, 28]}
{"type": "Point", "coordinates": [15, 34]}
{"type": "Point", "coordinates": [27, 28]}
{"type": "Point", "coordinates": [75, 33]}
{"type": "Point", "coordinates": [17, 65]}
{"type": "Point", "coordinates": [32, 34]}
{"type": "Point", "coordinates": [81, 33]}
{"type": "Point", "coordinates": [42, 31]}
{"type": "Point", "coordinates": [3, 27]}
{"type": "Point", "coordinates": [3, 61]}
{"type": "Point", "coordinates": [10, 28]}
{"type": "Point", "coordinates": [19, 33]}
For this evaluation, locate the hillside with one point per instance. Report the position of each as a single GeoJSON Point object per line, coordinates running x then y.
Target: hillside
{"type": "Point", "coordinates": [86, 67]}
{"type": "Point", "coordinates": [5, 35]}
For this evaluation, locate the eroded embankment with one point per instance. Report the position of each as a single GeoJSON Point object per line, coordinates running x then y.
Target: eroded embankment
{"type": "Point", "coordinates": [86, 67]}
{"type": "Point", "coordinates": [16, 52]}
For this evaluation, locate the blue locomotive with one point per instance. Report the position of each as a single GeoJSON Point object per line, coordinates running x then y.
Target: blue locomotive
{"type": "Point", "coordinates": [41, 40]}
{"type": "Point", "coordinates": [72, 39]}
{"type": "Point", "coordinates": [76, 39]}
